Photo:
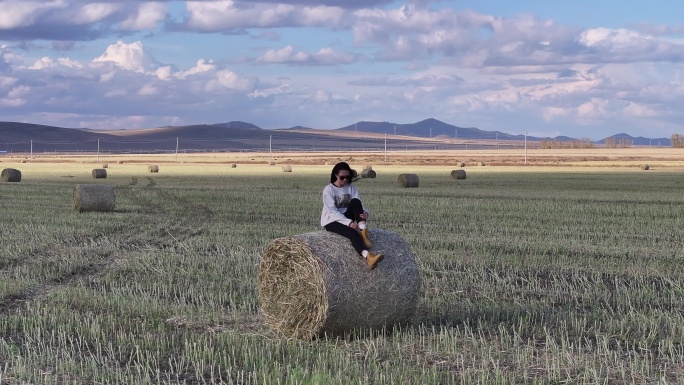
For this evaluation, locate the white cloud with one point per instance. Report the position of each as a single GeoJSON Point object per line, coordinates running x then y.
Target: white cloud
{"type": "Point", "coordinates": [201, 67]}
{"type": "Point", "coordinates": [227, 15]}
{"type": "Point", "coordinates": [94, 12]}
{"type": "Point", "coordinates": [148, 16]}
{"type": "Point", "coordinates": [19, 13]}
{"type": "Point", "coordinates": [133, 57]}
{"type": "Point", "coordinates": [288, 55]}
{"type": "Point", "coordinates": [47, 62]}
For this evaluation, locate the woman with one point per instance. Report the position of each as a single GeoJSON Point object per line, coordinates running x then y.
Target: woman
{"type": "Point", "coordinates": [344, 214]}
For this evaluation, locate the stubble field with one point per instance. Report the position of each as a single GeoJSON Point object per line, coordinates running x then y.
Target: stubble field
{"type": "Point", "coordinates": [537, 274]}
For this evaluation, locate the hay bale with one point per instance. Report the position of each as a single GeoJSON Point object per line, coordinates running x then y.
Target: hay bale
{"type": "Point", "coordinates": [153, 168]}
{"type": "Point", "coordinates": [316, 284]}
{"type": "Point", "coordinates": [120, 162]}
{"type": "Point", "coordinates": [354, 174]}
{"type": "Point", "coordinates": [460, 164]}
{"type": "Point", "coordinates": [99, 173]}
{"type": "Point", "coordinates": [481, 164]}
{"type": "Point", "coordinates": [368, 173]}
{"type": "Point", "coordinates": [408, 180]}
{"type": "Point", "coordinates": [233, 165]}
{"type": "Point", "coordinates": [367, 167]}
{"type": "Point", "coordinates": [23, 161]}
{"type": "Point", "coordinates": [458, 174]}
{"type": "Point", "coordinates": [10, 175]}
{"type": "Point", "coordinates": [93, 197]}
{"type": "Point", "coordinates": [104, 165]}
{"type": "Point", "coordinates": [644, 167]}
{"type": "Point", "coordinates": [287, 168]}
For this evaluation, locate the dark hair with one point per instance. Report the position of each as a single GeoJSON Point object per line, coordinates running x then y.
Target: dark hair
{"type": "Point", "coordinates": [339, 167]}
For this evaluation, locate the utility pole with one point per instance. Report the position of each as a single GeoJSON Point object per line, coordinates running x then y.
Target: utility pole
{"type": "Point", "coordinates": [385, 147]}
{"type": "Point", "coordinates": [354, 127]}
{"type": "Point", "coordinates": [455, 133]}
{"type": "Point", "coordinates": [176, 149]}
{"type": "Point", "coordinates": [431, 132]}
{"type": "Point", "coordinates": [270, 154]}
{"type": "Point", "coordinates": [525, 147]}
{"type": "Point", "coordinates": [395, 129]}
{"type": "Point", "coordinates": [98, 150]}
{"type": "Point", "coordinates": [31, 148]}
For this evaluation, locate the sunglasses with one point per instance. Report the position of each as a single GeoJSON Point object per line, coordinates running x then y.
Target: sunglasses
{"type": "Point", "coordinates": [344, 177]}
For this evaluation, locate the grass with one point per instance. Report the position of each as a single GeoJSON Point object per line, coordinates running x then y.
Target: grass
{"type": "Point", "coordinates": [530, 275]}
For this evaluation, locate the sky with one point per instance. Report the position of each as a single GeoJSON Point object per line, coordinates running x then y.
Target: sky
{"type": "Point", "coordinates": [585, 69]}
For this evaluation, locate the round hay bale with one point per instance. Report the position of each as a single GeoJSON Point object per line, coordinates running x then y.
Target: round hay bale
{"type": "Point", "coordinates": [120, 162]}
{"type": "Point", "coordinates": [233, 165]}
{"type": "Point", "coordinates": [458, 174]}
{"type": "Point", "coordinates": [23, 161]}
{"type": "Point", "coordinates": [99, 173]}
{"type": "Point", "coordinates": [408, 180]}
{"type": "Point", "coordinates": [460, 164]}
{"type": "Point", "coordinates": [104, 165]}
{"type": "Point", "coordinates": [368, 173]}
{"type": "Point", "coordinates": [153, 168]}
{"type": "Point", "coordinates": [354, 174]}
{"type": "Point", "coordinates": [93, 197]}
{"type": "Point", "coordinates": [481, 164]}
{"type": "Point", "coordinates": [287, 168]}
{"type": "Point", "coordinates": [644, 167]}
{"type": "Point", "coordinates": [10, 175]}
{"type": "Point", "coordinates": [315, 284]}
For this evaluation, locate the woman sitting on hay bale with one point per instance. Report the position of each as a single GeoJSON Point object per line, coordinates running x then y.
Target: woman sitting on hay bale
{"type": "Point", "coordinates": [344, 214]}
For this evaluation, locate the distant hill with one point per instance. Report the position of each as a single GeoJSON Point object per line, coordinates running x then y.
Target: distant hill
{"type": "Point", "coordinates": [237, 135]}
{"type": "Point", "coordinates": [428, 128]}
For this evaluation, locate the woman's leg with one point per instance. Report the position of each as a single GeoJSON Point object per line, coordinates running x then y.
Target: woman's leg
{"type": "Point", "coordinates": [349, 233]}
{"type": "Point", "coordinates": [354, 211]}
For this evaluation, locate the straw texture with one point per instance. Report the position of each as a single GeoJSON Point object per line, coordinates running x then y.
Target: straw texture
{"type": "Point", "coordinates": [315, 284]}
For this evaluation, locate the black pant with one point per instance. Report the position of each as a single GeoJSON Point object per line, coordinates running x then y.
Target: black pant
{"type": "Point", "coordinates": [354, 210]}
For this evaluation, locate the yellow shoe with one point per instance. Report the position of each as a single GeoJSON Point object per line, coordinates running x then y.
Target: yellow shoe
{"type": "Point", "coordinates": [366, 238]}
{"type": "Point", "coordinates": [372, 259]}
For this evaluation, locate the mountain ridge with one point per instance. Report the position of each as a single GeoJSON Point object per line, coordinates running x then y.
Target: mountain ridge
{"type": "Point", "coordinates": [12, 132]}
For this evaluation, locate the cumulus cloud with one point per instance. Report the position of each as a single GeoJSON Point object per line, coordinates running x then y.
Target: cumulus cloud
{"type": "Point", "coordinates": [59, 20]}
{"type": "Point", "coordinates": [147, 16]}
{"type": "Point", "coordinates": [288, 55]}
{"type": "Point", "coordinates": [133, 57]}
{"type": "Point", "coordinates": [228, 15]}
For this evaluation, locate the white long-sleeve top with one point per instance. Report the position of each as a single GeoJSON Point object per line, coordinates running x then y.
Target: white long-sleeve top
{"type": "Point", "coordinates": [335, 203]}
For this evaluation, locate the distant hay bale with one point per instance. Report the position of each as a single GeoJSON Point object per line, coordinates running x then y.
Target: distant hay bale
{"type": "Point", "coordinates": [153, 168]}
{"type": "Point", "coordinates": [120, 162]}
{"type": "Point", "coordinates": [644, 167]}
{"type": "Point", "coordinates": [481, 164]}
{"type": "Point", "coordinates": [233, 165]}
{"type": "Point", "coordinates": [458, 174]}
{"type": "Point", "coordinates": [93, 197]}
{"type": "Point", "coordinates": [315, 284]}
{"type": "Point", "coordinates": [368, 173]}
{"type": "Point", "coordinates": [408, 180]}
{"type": "Point", "coordinates": [460, 164]}
{"type": "Point", "coordinates": [23, 161]}
{"type": "Point", "coordinates": [104, 165]}
{"type": "Point", "coordinates": [287, 168]}
{"type": "Point", "coordinates": [99, 173]}
{"type": "Point", "coordinates": [10, 175]}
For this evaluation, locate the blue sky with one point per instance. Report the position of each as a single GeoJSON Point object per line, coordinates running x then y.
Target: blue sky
{"type": "Point", "coordinates": [583, 69]}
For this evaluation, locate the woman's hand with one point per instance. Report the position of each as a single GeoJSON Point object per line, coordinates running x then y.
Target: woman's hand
{"type": "Point", "coordinates": [353, 225]}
